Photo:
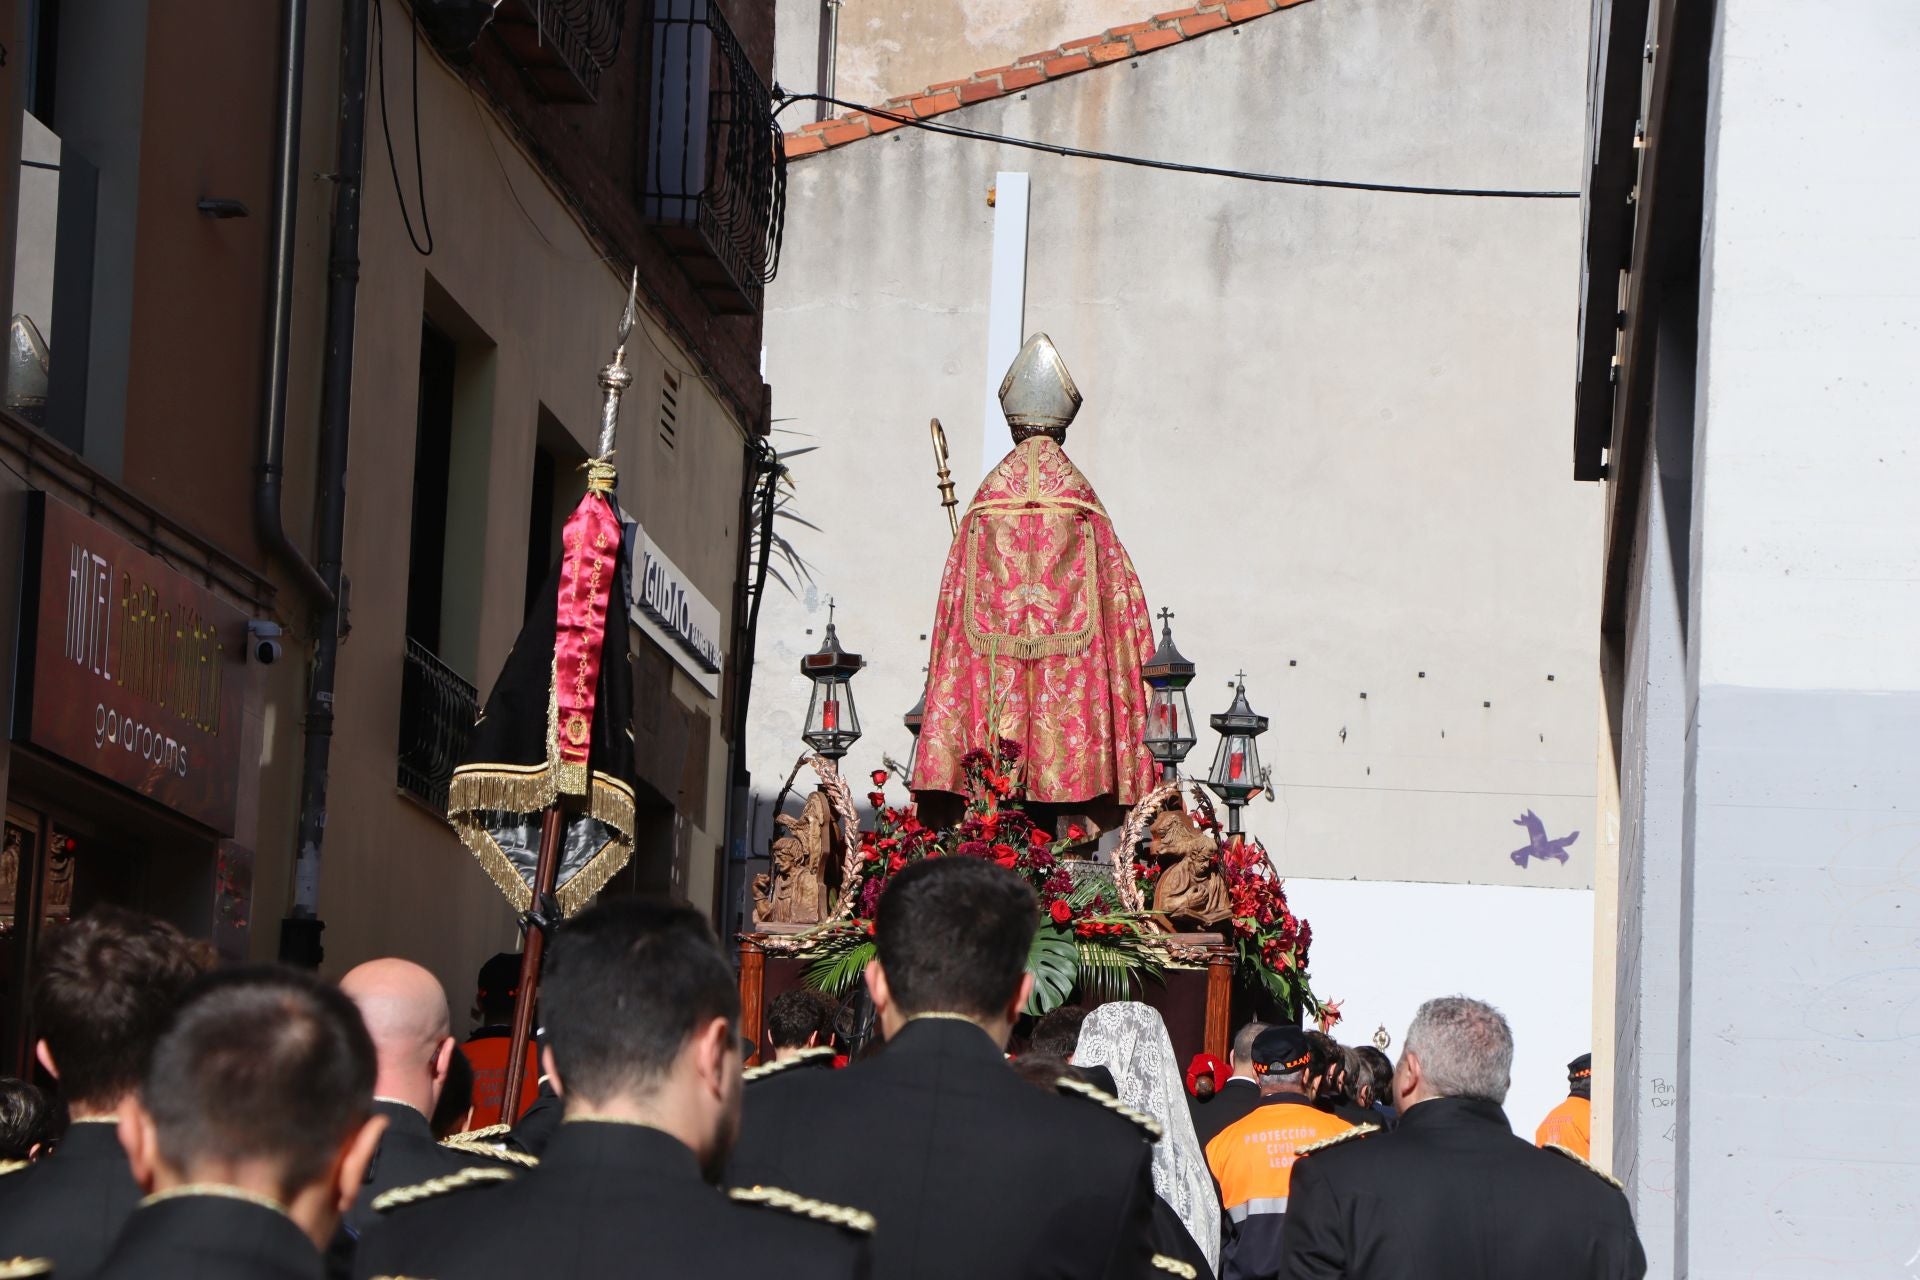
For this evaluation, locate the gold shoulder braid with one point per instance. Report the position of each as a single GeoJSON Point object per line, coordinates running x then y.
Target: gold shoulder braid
{"type": "Point", "coordinates": [390, 1200]}
{"type": "Point", "coordinates": [478, 1135]}
{"type": "Point", "coordinates": [1358, 1131]}
{"type": "Point", "coordinates": [1173, 1266]}
{"type": "Point", "coordinates": [856, 1220]}
{"type": "Point", "coordinates": [12, 1166]}
{"type": "Point", "coordinates": [1068, 1084]}
{"type": "Point", "coordinates": [22, 1268]}
{"type": "Point", "coordinates": [805, 1056]}
{"type": "Point", "coordinates": [1584, 1163]}
{"type": "Point", "coordinates": [506, 1155]}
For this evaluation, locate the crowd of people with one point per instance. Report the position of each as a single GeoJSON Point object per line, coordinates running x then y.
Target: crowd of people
{"type": "Point", "coordinates": [262, 1122]}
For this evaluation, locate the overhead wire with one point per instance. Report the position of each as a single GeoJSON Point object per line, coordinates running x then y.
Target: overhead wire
{"type": "Point", "coordinates": [393, 163]}
{"type": "Point", "coordinates": [1170, 166]}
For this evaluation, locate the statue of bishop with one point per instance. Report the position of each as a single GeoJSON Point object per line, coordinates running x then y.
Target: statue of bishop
{"type": "Point", "coordinates": [1041, 627]}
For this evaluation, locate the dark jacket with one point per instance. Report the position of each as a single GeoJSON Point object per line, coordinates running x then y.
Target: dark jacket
{"type": "Point", "coordinates": [210, 1237]}
{"type": "Point", "coordinates": [1235, 1098]}
{"type": "Point", "coordinates": [69, 1206]}
{"type": "Point", "coordinates": [970, 1171]}
{"type": "Point", "coordinates": [607, 1200]}
{"type": "Point", "coordinates": [1452, 1194]}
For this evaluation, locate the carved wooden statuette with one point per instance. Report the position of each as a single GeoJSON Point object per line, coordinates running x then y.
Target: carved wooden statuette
{"type": "Point", "coordinates": [796, 890]}
{"type": "Point", "coordinates": [1192, 889]}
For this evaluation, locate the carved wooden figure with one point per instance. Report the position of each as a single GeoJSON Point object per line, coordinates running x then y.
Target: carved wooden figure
{"type": "Point", "coordinates": [795, 892]}
{"type": "Point", "coordinates": [1191, 889]}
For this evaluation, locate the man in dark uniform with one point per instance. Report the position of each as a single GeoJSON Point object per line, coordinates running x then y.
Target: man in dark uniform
{"type": "Point", "coordinates": [104, 985]}
{"type": "Point", "coordinates": [250, 1134]}
{"type": "Point", "coordinates": [1239, 1095]}
{"type": "Point", "coordinates": [642, 1031]}
{"type": "Point", "coordinates": [406, 1013]}
{"type": "Point", "coordinates": [969, 1171]}
{"type": "Point", "coordinates": [1452, 1193]}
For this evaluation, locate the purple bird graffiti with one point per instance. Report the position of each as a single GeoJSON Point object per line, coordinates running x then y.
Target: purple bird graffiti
{"type": "Point", "coordinates": [1537, 845]}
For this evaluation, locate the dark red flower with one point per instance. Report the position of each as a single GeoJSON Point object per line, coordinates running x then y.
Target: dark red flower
{"type": "Point", "coordinates": [1006, 855]}
{"type": "Point", "coordinates": [878, 799]}
{"type": "Point", "coordinates": [879, 777]}
{"type": "Point", "coordinates": [1061, 911]}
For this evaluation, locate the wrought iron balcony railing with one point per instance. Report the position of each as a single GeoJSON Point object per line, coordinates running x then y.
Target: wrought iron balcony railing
{"type": "Point", "coordinates": [437, 711]}
{"type": "Point", "coordinates": [563, 46]}
{"type": "Point", "coordinates": [715, 168]}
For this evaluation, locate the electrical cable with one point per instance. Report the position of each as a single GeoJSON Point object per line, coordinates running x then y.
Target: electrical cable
{"type": "Point", "coordinates": [393, 163]}
{"type": "Point", "coordinates": [1171, 166]}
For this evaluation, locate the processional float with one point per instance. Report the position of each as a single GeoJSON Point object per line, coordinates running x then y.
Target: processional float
{"type": "Point", "coordinates": [1048, 738]}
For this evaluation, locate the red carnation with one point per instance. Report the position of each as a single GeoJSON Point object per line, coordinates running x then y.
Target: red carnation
{"type": "Point", "coordinates": [879, 777]}
{"type": "Point", "coordinates": [1061, 911]}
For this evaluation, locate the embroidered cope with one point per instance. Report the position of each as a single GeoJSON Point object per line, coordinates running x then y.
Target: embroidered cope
{"type": "Point", "coordinates": [1041, 624]}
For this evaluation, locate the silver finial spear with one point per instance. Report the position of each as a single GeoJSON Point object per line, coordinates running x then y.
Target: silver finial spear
{"type": "Point", "coordinates": [615, 378]}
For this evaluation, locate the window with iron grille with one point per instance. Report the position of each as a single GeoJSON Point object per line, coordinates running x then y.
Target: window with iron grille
{"type": "Point", "coordinates": [437, 711]}
{"type": "Point", "coordinates": [715, 166]}
{"type": "Point", "coordinates": [562, 46]}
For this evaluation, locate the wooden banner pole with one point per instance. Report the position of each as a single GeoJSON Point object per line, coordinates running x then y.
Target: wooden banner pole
{"type": "Point", "coordinates": [545, 872]}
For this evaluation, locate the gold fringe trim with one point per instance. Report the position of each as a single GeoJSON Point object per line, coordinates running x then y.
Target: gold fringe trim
{"type": "Point", "coordinates": [592, 878]}
{"type": "Point", "coordinates": [494, 861]}
{"type": "Point", "coordinates": [1063, 644]}
{"type": "Point", "coordinates": [601, 474]}
{"type": "Point", "coordinates": [500, 787]}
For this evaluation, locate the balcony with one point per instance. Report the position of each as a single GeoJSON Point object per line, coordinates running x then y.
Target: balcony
{"type": "Point", "coordinates": [715, 171]}
{"type": "Point", "coordinates": [437, 711]}
{"type": "Point", "coordinates": [562, 46]}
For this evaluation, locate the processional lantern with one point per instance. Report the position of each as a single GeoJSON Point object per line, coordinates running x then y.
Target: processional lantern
{"type": "Point", "coordinates": [1236, 776]}
{"type": "Point", "coordinates": [833, 726]}
{"type": "Point", "coordinates": [913, 720]}
{"type": "Point", "coordinates": [1169, 720]}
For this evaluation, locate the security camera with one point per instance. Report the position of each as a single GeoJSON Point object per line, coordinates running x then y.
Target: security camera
{"type": "Point", "coordinates": [263, 642]}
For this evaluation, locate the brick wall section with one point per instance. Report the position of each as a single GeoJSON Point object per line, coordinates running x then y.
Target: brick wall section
{"type": "Point", "coordinates": [1069, 59]}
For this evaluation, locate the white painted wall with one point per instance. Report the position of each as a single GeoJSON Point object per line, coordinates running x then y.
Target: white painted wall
{"type": "Point", "coordinates": [1810, 534]}
{"type": "Point", "coordinates": [1384, 948]}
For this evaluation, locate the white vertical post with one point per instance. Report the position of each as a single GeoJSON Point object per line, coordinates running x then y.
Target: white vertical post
{"type": "Point", "coordinates": [1006, 309]}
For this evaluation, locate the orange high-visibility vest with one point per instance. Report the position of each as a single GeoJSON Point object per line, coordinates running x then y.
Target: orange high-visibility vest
{"type": "Point", "coordinates": [1252, 1158]}
{"type": "Point", "coordinates": [1568, 1125]}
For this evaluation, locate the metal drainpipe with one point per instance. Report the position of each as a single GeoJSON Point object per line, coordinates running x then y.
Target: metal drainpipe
{"type": "Point", "coordinates": [829, 54]}
{"type": "Point", "coordinates": [286, 204]}
{"type": "Point", "coordinates": [300, 931]}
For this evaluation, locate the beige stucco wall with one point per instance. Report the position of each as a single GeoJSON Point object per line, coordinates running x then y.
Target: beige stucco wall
{"type": "Point", "coordinates": [510, 257]}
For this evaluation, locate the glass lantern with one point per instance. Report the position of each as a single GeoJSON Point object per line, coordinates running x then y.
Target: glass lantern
{"type": "Point", "coordinates": [913, 720]}
{"type": "Point", "coordinates": [1169, 720]}
{"type": "Point", "coordinates": [833, 726]}
{"type": "Point", "coordinates": [1236, 776]}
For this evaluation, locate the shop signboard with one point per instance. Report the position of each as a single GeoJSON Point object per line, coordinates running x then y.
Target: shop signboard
{"type": "Point", "coordinates": [127, 667]}
{"type": "Point", "coordinates": [672, 613]}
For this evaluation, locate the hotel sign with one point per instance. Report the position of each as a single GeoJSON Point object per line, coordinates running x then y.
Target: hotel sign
{"type": "Point", "coordinates": [127, 667]}
{"type": "Point", "coordinates": [677, 617]}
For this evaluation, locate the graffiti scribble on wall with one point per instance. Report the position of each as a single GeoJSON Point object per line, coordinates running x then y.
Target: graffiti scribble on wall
{"type": "Point", "coordinates": [1537, 845]}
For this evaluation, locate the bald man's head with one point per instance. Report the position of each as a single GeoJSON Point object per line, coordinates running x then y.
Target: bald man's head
{"type": "Point", "coordinates": [405, 1009]}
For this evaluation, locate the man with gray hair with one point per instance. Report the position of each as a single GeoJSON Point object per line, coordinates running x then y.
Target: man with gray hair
{"type": "Point", "coordinates": [1452, 1192]}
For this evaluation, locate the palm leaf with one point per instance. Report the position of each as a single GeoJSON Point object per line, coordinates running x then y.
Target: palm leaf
{"type": "Point", "coordinates": [1053, 960]}
{"type": "Point", "coordinates": [835, 971]}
